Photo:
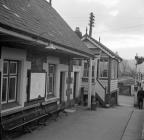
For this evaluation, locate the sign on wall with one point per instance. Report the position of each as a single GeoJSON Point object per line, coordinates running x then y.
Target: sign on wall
{"type": "Point", "coordinates": [37, 85]}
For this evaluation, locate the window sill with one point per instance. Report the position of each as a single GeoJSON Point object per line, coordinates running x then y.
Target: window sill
{"type": "Point", "coordinates": [50, 96]}
{"type": "Point", "coordinates": [32, 102]}
{"type": "Point", "coordinates": [11, 107]}
{"type": "Point", "coordinates": [50, 100]}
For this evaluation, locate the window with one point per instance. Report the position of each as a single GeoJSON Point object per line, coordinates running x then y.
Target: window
{"type": "Point", "coordinates": [77, 62]}
{"type": "Point", "coordinates": [10, 77]}
{"type": "Point", "coordinates": [86, 70]}
{"type": "Point", "coordinates": [103, 68]}
{"type": "Point", "coordinates": [51, 79]}
{"type": "Point", "coordinates": [93, 74]}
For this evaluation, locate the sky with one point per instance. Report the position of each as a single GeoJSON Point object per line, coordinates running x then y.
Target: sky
{"type": "Point", "coordinates": [119, 23]}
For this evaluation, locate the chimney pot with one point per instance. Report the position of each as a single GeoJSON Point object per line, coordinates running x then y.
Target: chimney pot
{"type": "Point", "coordinates": [50, 2]}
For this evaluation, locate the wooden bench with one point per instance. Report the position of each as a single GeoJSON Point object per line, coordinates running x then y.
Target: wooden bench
{"type": "Point", "coordinates": [39, 114]}
{"type": "Point", "coordinates": [55, 112]}
{"type": "Point", "coordinates": [24, 117]}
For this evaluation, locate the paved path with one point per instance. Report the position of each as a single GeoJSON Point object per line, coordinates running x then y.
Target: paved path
{"type": "Point", "coordinates": [103, 124]}
{"type": "Point", "coordinates": [134, 128]}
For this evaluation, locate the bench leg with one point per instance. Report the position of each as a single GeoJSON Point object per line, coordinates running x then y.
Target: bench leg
{"type": "Point", "coordinates": [54, 116]}
{"type": "Point", "coordinates": [43, 121]}
{"type": "Point", "coordinates": [65, 112]}
{"type": "Point", "coordinates": [27, 129]}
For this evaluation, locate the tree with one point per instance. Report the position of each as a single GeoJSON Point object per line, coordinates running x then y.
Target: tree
{"type": "Point", "coordinates": [127, 69]}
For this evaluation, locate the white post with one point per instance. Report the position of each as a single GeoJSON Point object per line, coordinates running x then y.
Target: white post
{"type": "Point", "coordinates": [90, 83]}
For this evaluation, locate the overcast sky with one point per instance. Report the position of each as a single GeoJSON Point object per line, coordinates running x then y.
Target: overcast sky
{"type": "Point", "coordinates": [119, 23]}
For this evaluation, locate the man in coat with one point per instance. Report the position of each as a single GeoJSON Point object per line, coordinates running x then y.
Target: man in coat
{"type": "Point", "coordinates": [140, 96]}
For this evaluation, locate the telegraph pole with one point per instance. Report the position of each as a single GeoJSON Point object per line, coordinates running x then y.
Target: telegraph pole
{"type": "Point", "coordinates": [91, 23]}
{"type": "Point", "coordinates": [89, 82]}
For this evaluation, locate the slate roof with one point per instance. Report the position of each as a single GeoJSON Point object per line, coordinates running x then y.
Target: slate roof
{"type": "Point", "coordinates": [38, 18]}
{"type": "Point", "coordinates": [103, 46]}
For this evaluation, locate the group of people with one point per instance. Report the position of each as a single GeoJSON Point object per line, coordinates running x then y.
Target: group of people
{"type": "Point", "coordinates": [140, 98]}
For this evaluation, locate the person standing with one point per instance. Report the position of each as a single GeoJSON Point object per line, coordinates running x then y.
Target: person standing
{"type": "Point", "coordinates": [140, 96]}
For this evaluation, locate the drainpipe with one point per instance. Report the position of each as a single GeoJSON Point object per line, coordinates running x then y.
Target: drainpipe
{"type": "Point", "coordinates": [90, 83]}
{"type": "Point", "coordinates": [95, 70]}
{"type": "Point", "coordinates": [0, 110]}
{"type": "Point", "coordinates": [69, 81]}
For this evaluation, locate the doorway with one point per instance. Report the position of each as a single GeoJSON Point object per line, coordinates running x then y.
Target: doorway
{"type": "Point", "coordinates": [62, 86]}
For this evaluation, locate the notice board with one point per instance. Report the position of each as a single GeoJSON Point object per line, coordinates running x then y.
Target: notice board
{"type": "Point", "coordinates": [37, 85]}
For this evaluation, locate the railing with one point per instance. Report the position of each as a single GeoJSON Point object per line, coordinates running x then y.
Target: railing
{"type": "Point", "coordinates": [100, 90]}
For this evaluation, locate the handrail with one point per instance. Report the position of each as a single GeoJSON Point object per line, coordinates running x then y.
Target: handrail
{"type": "Point", "coordinates": [101, 90]}
{"type": "Point", "coordinates": [101, 84]}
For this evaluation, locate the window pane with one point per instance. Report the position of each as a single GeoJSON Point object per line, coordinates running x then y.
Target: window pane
{"type": "Point", "coordinates": [13, 67]}
{"type": "Point", "coordinates": [103, 69]}
{"type": "Point", "coordinates": [51, 78]}
{"type": "Point", "coordinates": [5, 67]}
{"type": "Point", "coordinates": [93, 68]}
{"type": "Point", "coordinates": [86, 66]}
{"type": "Point", "coordinates": [12, 88]}
{"type": "Point", "coordinates": [51, 68]}
{"type": "Point", "coordinates": [4, 89]}
{"type": "Point", "coordinates": [86, 73]}
{"type": "Point", "coordinates": [50, 84]}
{"type": "Point", "coordinates": [105, 73]}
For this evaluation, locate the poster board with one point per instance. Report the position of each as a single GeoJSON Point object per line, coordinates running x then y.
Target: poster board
{"type": "Point", "coordinates": [37, 85]}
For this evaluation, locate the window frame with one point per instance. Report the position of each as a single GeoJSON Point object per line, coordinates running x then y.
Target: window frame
{"type": "Point", "coordinates": [15, 94]}
{"type": "Point", "coordinates": [7, 68]}
{"type": "Point", "coordinates": [3, 102]}
{"type": "Point", "coordinates": [9, 76]}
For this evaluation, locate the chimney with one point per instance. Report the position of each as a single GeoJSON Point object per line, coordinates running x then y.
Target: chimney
{"type": "Point", "coordinates": [50, 2]}
{"type": "Point", "coordinates": [99, 39]}
{"type": "Point", "coordinates": [86, 31]}
{"type": "Point", "coordinates": [78, 32]}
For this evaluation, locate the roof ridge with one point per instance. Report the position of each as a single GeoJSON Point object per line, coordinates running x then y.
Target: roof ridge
{"type": "Point", "coordinates": [102, 45]}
